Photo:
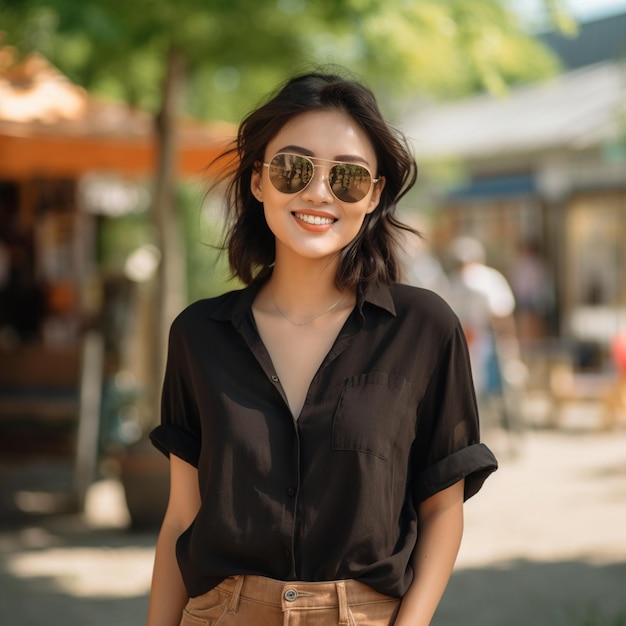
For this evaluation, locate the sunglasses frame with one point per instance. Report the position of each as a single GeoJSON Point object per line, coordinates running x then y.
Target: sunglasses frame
{"type": "Point", "coordinates": [373, 180]}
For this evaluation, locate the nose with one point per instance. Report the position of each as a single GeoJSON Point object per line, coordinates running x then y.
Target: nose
{"type": "Point", "coordinates": [318, 190]}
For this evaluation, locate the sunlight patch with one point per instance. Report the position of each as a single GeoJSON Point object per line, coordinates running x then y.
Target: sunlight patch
{"type": "Point", "coordinates": [89, 572]}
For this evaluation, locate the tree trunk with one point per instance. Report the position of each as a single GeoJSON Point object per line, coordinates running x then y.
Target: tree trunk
{"type": "Point", "coordinates": [170, 279]}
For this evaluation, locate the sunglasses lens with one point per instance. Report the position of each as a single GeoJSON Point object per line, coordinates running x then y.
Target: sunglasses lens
{"type": "Point", "coordinates": [349, 182]}
{"type": "Point", "coordinates": [290, 173]}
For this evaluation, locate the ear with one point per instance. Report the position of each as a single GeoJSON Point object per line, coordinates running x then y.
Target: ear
{"type": "Point", "coordinates": [376, 193]}
{"type": "Point", "coordinates": [256, 183]}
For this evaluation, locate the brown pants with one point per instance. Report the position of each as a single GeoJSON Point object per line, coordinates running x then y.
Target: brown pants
{"type": "Point", "coordinates": [259, 601]}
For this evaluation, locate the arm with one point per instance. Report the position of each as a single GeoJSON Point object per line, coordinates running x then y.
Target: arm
{"type": "Point", "coordinates": [440, 531]}
{"type": "Point", "coordinates": [168, 596]}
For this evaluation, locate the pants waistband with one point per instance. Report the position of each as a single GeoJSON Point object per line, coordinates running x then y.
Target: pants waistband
{"type": "Point", "coordinates": [300, 595]}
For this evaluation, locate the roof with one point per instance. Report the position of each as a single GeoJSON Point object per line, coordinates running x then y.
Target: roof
{"type": "Point", "coordinates": [48, 125]}
{"type": "Point", "coordinates": [596, 41]}
{"type": "Point", "coordinates": [574, 110]}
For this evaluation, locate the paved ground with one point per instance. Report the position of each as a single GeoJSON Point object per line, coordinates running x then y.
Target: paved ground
{"type": "Point", "coordinates": [545, 541]}
{"type": "Point", "coordinates": [545, 544]}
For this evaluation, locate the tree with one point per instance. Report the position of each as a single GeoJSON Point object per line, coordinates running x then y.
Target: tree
{"type": "Point", "coordinates": [233, 49]}
{"type": "Point", "coordinates": [212, 58]}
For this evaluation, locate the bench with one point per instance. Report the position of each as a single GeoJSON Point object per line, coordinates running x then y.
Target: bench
{"type": "Point", "coordinates": [607, 390]}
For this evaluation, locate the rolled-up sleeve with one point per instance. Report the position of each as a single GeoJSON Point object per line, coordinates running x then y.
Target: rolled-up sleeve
{"type": "Point", "coordinates": [447, 446]}
{"type": "Point", "coordinates": [179, 430]}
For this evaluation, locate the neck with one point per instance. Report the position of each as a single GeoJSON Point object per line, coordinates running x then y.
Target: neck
{"type": "Point", "coordinates": [303, 279]}
{"type": "Point", "coordinates": [304, 287]}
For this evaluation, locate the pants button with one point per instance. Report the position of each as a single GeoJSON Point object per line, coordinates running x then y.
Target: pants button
{"type": "Point", "coordinates": [291, 595]}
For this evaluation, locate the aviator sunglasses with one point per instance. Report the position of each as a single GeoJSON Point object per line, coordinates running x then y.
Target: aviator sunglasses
{"type": "Point", "coordinates": [291, 173]}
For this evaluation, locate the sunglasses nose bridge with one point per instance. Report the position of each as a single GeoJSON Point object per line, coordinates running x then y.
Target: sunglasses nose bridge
{"type": "Point", "coordinates": [319, 183]}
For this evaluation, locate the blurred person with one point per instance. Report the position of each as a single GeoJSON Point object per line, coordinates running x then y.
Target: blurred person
{"type": "Point", "coordinates": [615, 399]}
{"type": "Point", "coordinates": [482, 298]}
{"type": "Point", "coordinates": [533, 289]}
{"type": "Point", "coordinates": [321, 422]}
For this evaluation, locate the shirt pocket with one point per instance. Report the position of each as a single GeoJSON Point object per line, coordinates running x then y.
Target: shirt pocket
{"type": "Point", "coordinates": [372, 414]}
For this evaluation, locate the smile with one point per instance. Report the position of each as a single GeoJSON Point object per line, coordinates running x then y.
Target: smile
{"type": "Point", "coordinates": [316, 220]}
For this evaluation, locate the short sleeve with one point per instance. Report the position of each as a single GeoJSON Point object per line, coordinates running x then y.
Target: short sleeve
{"type": "Point", "coordinates": [179, 431]}
{"type": "Point", "coordinates": [447, 446]}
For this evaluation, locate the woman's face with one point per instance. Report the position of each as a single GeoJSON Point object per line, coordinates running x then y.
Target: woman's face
{"type": "Point", "coordinates": [313, 223]}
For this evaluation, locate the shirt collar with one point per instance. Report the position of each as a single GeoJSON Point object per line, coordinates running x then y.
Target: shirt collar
{"type": "Point", "coordinates": [236, 304]}
{"type": "Point", "coordinates": [379, 295]}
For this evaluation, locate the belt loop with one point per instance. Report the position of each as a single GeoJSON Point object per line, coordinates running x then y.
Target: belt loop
{"type": "Point", "coordinates": [233, 605]}
{"type": "Point", "coordinates": [343, 603]}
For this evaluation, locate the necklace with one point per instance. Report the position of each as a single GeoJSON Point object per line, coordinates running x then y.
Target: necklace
{"type": "Point", "coordinates": [308, 320]}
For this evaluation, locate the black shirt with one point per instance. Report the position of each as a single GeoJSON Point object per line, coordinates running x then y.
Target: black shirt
{"type": "Point", "coordinates": [389, 419]}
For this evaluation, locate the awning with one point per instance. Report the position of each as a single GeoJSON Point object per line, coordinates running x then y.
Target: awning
{"type": "Point", "coordinates": [51, 127]}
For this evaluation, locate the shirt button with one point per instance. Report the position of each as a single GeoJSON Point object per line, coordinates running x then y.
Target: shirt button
{"type": "Point", "coordinates": [275, 378]}
{"type": "Point", "coordinates": [291, 492]}
{"type": "Point", "coordinates": [291, 595]}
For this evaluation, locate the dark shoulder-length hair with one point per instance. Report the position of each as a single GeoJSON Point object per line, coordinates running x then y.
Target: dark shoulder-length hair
{"type": "Point", "coordinates": [370, 257]}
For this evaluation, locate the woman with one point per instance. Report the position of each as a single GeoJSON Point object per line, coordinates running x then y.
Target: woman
{"type": "Point", "coordinates": [321, 423]}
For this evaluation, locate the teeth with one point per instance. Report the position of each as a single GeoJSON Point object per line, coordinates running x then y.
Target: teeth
{"type": "Point", "coordinates": [314, 219]}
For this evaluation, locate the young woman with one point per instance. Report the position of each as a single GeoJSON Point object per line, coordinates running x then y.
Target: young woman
{"type": "Point", "coordinates": [321, 422]}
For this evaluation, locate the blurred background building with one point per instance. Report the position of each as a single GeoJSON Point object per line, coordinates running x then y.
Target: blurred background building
{"type": "Point", "coordinates": [70, 166]}
{"type": "Point", "coordinates": [543, 186]}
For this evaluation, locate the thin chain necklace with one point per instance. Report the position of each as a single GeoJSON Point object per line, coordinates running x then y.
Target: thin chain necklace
{"type": "Point", "coordinates": [308, 320]}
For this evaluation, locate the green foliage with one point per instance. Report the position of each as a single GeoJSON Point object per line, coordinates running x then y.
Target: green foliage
{"type": "Point", "coordinates": [207, 265]}
{"type": "Point", "coordinates": [120, 236]}
{"type": "Point", "coordinates": [235, 49]}
{"type": "Point", "coordinates": [561, 18]}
